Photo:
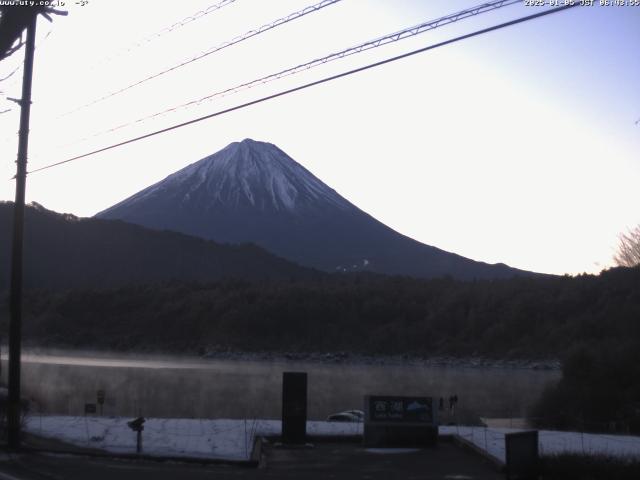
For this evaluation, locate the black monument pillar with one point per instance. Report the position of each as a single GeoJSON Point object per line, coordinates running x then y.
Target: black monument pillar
{"type": "Point", "coordinates": [294, 407]}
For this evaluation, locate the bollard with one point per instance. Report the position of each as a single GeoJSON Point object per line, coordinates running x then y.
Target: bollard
{"type": "Point", "coordinates": [137, 425]}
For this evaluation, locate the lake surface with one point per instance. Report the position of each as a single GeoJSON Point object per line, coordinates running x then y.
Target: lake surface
{"type": "Point", "coordinates": [199, 388]}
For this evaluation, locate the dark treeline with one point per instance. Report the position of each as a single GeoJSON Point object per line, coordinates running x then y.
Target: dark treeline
{"type": "Point", "coordinates": [590, 322]}
{"type": "Point", "coordinates": [368, 314]}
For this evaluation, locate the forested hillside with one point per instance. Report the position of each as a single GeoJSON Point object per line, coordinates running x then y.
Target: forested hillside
{"type": "Point", "coordinates": [62, 251]}
{"type": "Point", "coordinates": [518, 318]}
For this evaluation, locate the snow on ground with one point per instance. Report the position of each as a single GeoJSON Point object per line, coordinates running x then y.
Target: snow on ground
{"type": "Point", "coordinates": [223, 438]}
{"type": "Point", "coordinates": [491, 440]}
{"type": "Point", "coordinates": [233, 439]}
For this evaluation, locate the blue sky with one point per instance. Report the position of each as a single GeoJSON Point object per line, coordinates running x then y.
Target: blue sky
{"type": "Point", "coordinates": [519, 146]}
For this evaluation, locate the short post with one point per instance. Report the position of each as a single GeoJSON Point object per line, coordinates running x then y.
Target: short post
{"type": "Point", "coordinates": [137, 425]}
{"type": "Point", "coordinates": [100, 394]}
{"type": "Point", "coordinates": [294, 407]}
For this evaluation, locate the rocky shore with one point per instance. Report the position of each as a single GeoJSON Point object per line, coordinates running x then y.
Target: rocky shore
{"type": "Point", "coordinates": [353, 358]}
{"type": "Point", "coordinates": [220, 352]}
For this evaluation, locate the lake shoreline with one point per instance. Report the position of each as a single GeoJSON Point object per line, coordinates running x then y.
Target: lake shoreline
{"type": "Point", "coordinates": [391, 360]}
{"type": "Point", "coordinates": [329, 358]}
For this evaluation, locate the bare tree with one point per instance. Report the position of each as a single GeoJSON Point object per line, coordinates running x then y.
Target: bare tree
{"type": "Point", "coordinates": [628, 254]}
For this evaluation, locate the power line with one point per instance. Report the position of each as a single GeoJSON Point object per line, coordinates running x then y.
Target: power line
{"type": "Point", "coordinates": [312, 84]}
{"type": "Point", "coordinates": [371, 44]}
{"type": "Point", "coordinates": [185, 21]}
{"type": "Point", "coordinates": [11, 73]}
{"type": "Point", "coordinates": [240, 38]}
{"type": "Point", "coordinates": [19, 66]}
{"type": "Point", "coordinates": [38, 45]}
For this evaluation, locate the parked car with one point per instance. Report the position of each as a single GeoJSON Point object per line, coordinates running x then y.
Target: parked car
{"type": "Point", "coordinates": [347, 416]}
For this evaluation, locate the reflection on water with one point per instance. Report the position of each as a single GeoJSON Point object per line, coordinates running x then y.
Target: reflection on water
{"type": "Point", "coordinates": [175, 387]}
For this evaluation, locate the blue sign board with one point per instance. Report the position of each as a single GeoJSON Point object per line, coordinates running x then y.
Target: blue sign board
{"type": "Point", "coordinates": [401, 409]}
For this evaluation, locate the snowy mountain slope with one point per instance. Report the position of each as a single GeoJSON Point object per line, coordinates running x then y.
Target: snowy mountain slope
{"type": "Point", "coordinates": [246, 174]}
{"type": "Point", "coordinates": [254, 192]}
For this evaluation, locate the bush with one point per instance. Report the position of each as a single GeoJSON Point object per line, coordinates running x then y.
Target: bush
{"type": "Point", "coordinates": [598, 391]}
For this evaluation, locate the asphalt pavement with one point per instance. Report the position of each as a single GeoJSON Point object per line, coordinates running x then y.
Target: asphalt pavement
{"type": "Point", "coordinates": [337, 461]}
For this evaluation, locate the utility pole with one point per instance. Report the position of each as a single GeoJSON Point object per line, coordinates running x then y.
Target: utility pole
{"type": "Point", "coordinates": [15, 293]}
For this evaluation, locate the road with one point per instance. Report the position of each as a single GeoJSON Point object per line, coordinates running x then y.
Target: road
{"type": "Point", "coordinates": [324, 461]}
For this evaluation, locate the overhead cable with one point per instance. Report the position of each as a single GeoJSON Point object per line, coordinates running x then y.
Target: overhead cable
{"type": "Point", "coordinates": [312, 84]}
{"type": "Point", "coordinates": [371, 44]}
{"type": "Point", "coordinates": [191, 18]}
{"type": "Point", "coordinates": [240, 38]}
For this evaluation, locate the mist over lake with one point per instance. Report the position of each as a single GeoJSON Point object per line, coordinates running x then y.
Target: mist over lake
{"type": "Point", "coordinates": [63, 383]}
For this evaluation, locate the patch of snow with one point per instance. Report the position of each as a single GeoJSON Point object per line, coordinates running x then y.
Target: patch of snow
{"type": "Point", "coordinates": [551, 442]}
{"type": "Point", "coordinates": [233, 439]}
{"type": "Point", "coordinates": [172, 437]}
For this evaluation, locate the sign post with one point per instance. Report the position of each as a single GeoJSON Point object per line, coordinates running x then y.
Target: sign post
{"type": "Point", "coordinates": [100, 397]}
{"type": "Point", "coordinates": [137, 425]}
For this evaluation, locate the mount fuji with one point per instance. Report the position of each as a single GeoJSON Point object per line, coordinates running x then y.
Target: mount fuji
{"type": "Point", "coordinates": [253, 192]}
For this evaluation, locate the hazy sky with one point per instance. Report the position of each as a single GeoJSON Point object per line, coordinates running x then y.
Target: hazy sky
{"type": "Point", "coordinates": [519, 146]}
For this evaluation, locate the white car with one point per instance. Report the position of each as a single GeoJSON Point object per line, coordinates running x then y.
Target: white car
{"type": "Point", "coordinates": [347, 416]}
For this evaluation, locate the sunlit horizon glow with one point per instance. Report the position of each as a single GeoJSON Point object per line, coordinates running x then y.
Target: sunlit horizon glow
{"type": "Point", "coordinates": [519, 146]}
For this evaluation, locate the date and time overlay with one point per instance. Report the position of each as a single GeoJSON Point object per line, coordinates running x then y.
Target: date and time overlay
{"type": "Point", "coordinates": [526, 3]}
{"type": "Point", "coordinates": [582, 3]}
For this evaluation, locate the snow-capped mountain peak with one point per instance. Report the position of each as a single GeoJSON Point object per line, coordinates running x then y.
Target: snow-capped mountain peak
{"type": "Point", "coordinates": [248, 174]}
{"type": "Point", "coordinates": [254, 192]}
